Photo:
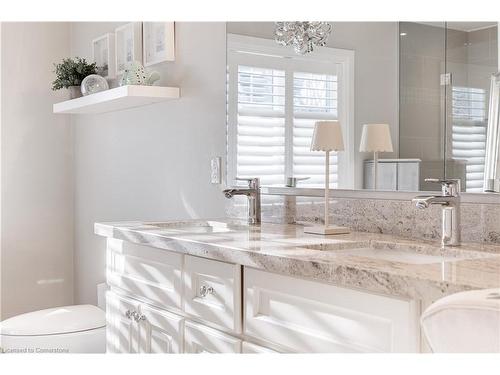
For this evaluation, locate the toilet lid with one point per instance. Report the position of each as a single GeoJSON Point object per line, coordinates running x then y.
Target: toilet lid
{"type": "Point", "coordinates": [65, 319]}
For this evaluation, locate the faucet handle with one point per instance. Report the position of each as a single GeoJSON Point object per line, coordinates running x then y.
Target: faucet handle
{"type": "Point", "coordinates": [253, 182]}
{"type": "Point", "coordinates": [450, 186]}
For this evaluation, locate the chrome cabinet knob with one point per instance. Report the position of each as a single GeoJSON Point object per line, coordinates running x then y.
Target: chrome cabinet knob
{"type": "Point", "coordinates": [139, 318]}
{"type": "Point", "coordinates": [135, 315]}
{"type": "Point", "coordinates": [206, 290]}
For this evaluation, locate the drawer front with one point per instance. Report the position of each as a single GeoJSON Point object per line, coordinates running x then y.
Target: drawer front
{"type": "Point", "coordinates": [202, 339]}
{"type": "Point", "coordinates": [212, 292]}
{"type": "Point", "coordinates": [160, 331]}
{"type": "Point", "coordinates": [145, 272]}
{"type": "Point", "coordinates": [307, 316]}
{"type": "Point", "coordinates": [121, 332]}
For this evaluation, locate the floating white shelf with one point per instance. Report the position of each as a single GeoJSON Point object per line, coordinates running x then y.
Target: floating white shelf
{"type": "Point", "coordinates": [117, 99]}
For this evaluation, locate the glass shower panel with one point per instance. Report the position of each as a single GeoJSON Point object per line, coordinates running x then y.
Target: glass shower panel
{"type": "Point", "coordinates": [471, 59]}
{"type": "Point", "coordinates": [422, 92]}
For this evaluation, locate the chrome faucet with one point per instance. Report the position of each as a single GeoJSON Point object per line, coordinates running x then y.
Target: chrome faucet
{"type": "Point", "coordinates": [253, 194]}
{"type": "Point", "coordinates": [450, 202]}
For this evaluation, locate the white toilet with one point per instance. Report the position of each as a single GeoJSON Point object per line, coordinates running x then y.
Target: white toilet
{"type": "Point", "coordinates": [67, 329]}
{"type": "Point", "coordinates": [466, 322]}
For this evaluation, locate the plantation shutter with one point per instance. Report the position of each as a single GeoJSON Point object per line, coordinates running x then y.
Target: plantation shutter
{"type": "Point", "coordinates": [260, 150]}
{"type": "Point", "coordinates": [314, 98]}
{"type": "Point", "coordinates": [469, 133]}
{"type": "Point", "coordinates": [276, 112]}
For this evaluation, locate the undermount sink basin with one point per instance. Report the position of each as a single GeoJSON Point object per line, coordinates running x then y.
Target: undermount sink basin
{"type": "Point", "coordinates": [404, 253]}
{"type": "Point", "coordinates": [202, 226]}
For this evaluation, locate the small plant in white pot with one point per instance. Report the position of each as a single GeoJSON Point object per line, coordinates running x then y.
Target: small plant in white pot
{"type": "Point", "coordinates": [70, 74]}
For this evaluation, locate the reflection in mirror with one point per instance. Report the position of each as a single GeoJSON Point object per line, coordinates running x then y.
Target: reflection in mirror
{"type": "Point", "coordinates": [429, 82]}
{"type": "Point", "coordinates": [492, 156]}
{"type": "Point", "coordinates": [471, 59]}
{"type": "Point", "coordinates": [275, 96]}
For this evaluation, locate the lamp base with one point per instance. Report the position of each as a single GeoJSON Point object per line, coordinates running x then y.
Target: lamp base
{"type": "Point", "coordinates": [326, 230]}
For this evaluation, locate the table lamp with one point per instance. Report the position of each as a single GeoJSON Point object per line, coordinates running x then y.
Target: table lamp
{"type": "Point", "coordinates": [327, 137]}
{"type": "Point", "coordinates": [375, 138]}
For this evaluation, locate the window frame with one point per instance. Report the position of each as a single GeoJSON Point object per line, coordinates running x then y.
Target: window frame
{"type": "Point", "coordinates": [245, 50]}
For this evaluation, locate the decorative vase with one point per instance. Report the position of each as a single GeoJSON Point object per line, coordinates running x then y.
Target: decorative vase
{"type": "Point", "coordinates": [74, 92]}
{"type": "Point", "coordinates": [136, 75]}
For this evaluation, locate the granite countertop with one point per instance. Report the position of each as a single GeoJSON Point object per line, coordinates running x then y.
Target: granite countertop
{"type": "Point", "coordinates": [374, 262]}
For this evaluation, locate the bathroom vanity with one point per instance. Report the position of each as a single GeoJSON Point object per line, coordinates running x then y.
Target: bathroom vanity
{"type": "Point", "coordinates": [225, 287]}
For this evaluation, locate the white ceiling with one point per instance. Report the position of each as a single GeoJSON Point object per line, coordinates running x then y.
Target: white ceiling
{"type": "Point", "coordinates": [462, 26]}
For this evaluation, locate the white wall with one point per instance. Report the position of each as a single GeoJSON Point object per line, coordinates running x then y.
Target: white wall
{"type": "Point", "coordinates": [150, 163]}
{"type": "Point", "coordinates": [375, 73]}
{"type": "Point", "coordinates": [36, 172]}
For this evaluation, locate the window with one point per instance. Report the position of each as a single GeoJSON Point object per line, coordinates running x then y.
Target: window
{"type": "Point", "coordinates": [469, 133]}
{"type": "Point", "coordinates": [273, 101]}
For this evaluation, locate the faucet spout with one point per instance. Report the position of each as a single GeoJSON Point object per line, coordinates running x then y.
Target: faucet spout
{"type": "Point", "coordinates": [229, 193]}
{"type": "Point", "coordinates": [450, 203]}
{"type": "Point", "coordinates": [252, 192]}
{"type": "Point", "coordinates": [424, 201]}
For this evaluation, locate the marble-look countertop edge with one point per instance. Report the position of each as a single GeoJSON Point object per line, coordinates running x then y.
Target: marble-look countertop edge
{"type": "Point", "coordinates": [349, 276]}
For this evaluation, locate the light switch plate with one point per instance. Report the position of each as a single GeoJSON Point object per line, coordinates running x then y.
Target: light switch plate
{"type": "Point", "coordinates": [215, 175]}
{"type": "Point", "coordinates": [445, 79]}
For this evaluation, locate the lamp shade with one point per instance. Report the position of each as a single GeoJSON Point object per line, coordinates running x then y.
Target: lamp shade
{"type": "Point", "coordinates": [327, 136]}
{"type": "Point", "coordinates": [376, 138]}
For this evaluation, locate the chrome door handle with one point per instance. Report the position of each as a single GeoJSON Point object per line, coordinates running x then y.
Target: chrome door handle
{"type": "Point", "coordinates": [206, 290]}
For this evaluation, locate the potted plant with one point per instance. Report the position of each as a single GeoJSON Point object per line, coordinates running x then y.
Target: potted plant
{"type": "Point", "coordinates": [70, 73]}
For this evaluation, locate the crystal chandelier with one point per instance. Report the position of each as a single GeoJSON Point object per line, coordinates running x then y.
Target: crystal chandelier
{"type": "Point", "coordinates": [302, 35]}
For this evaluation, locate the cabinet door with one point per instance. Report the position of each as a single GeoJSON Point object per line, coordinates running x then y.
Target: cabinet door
{"type": "Point", "coordinates": [121, 329]}
{"type": "Point", "coordinates": [160, 331]}
{"type": "Point", "coordinates": [202, 339]}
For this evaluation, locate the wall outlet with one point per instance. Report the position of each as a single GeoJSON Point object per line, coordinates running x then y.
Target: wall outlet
{"type": "Point", "coordinates": [215, 175]}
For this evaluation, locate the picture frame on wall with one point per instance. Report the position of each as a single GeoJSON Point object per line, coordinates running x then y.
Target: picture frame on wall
{"type": "Point", "coordinates": [103, 54]}
{"type": "Point", "coordinates": [128, 43]}
{"type": "Point", "coordinates": [158, 42]}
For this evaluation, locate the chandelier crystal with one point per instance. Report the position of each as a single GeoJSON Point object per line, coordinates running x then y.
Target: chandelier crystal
{"type": "Point", "coordinates": [303, 36]}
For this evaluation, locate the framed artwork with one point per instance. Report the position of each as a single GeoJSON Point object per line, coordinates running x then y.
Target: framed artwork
{"type": "Point", "coordinates": [128, 40]}
{"type": "Point", "coordinates": [103, 54]}
{"type": "Point", "coordinates": [158, 42]}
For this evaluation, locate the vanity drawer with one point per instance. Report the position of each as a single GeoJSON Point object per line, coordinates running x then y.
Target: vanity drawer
{"type": "Point", "coordinates": [148, 273]}
{"type": "Point", "coordinates": [202, 339]}
{"type": "Point", "coordinates": [212, 292]}
{"type": "Point", "coordinates": [307, 316]}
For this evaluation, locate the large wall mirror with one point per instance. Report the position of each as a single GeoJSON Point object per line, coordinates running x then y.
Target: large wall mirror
{"type": "Point", "coordinates": [432, 85]}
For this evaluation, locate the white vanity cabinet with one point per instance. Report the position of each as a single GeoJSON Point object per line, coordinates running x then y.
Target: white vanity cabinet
{"type": "Point", "coordinates": [161, 301]}
{"type": "Point", "coordinates": [134, 327]}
